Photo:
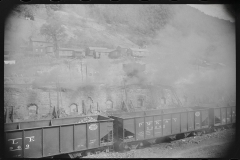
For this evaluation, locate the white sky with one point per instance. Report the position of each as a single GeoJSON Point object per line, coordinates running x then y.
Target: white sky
{"type": "Point", "coordinates": [215, 10]}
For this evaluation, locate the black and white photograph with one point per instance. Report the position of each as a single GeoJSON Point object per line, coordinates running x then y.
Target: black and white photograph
{"type": "Point", "coordinates": [120, 81]}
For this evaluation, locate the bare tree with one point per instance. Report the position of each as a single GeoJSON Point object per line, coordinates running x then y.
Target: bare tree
{"type": "Point", "coordinates": [54, 31]}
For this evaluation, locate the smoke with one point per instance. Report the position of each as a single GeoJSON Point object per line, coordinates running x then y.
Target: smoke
{"type": "Point", "coordinates": [47, 78]}
{"type": "Point", "coordinates": [86, 89]}
{"type": "Point", "coordinates": [134, 73]}
{"type": "Point", "coordinates": [186, 52]}
{"type": "Point", "coordinates": [186, 48]}
{"type": "Point", "coordinates": [79, 84]}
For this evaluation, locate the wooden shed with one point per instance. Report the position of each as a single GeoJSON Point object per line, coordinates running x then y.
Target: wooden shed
{"type": "Point", "coordinates": [72, 52]}
{"type": "Point", "coordinates": [103, 53]}
{"type": "Point", "coordinates": [39, 45]}
{"type": "Point", "coordinates": [79, 53]}
{"type": "Point", "coordinates": [118, 52]}
{"type": "Point", "coordinates": [96, 52]}
{"type": "Point", "coordinates": [136, 52]}
{"type": "Point", "coordinates": [49, 50]}
{"type": "Point", "coordinates": [66, 52]}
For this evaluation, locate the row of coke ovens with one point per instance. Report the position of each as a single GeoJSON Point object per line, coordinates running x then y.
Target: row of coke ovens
{"type": "Point", "coordinates": [48, 138]}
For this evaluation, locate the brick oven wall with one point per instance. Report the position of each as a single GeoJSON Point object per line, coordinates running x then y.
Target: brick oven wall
{"type": "Point", "coordinates": [21, 98]}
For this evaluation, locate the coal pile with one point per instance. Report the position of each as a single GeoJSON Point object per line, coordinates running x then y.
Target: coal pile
{"type": "Point", "coordinates": [87, 119]}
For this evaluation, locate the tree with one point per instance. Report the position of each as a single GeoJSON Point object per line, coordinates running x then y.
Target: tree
{"type": "Point", "coordinates": [54, 31]}
{"type": "Point", "coordinates": [50, 8]}
{"type": "Point", "coordinates": [26, 10]}
{"type": "Point", "coordinates": [152, 18]}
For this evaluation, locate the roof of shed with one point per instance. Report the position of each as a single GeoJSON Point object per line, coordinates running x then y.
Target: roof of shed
{"type": "Point", "coordinates": [72, 49]}
{"type": "Point", "coordinates": [98, 49]}
{"type": "Point", "coordinates": [139, 50]}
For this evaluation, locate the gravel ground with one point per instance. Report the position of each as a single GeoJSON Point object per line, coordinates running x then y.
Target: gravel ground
{"type": "Point", "coordinates": [212, 145]}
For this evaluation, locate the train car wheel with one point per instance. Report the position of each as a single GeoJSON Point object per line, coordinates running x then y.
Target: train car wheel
{"type": "Point", "coordinates": [152, 141]}
{"type": "Point", "coordinates": [124, 146]}
{"type": "Point", "coordinates": [217, 129]}
{"type": "Point", "coordinates": [199, 133]}
{"type": "Point", "coordinates": [107, 150]}
{"type": "Point", "coordinates": [121, 146]}
{"type": "Point", "coordinates": [88, 153]}
{"type": "Point", "coordinates": [134, 146]}
{"type": "Point", "coordinates": [211, 129]}
{"type": "Point", "coordinates": [97, 152]}
{"type": "Point", "coordinates": [229, 126]}
{"type": "Point", "coordinates": [186, 134]}
{"type": "Point", "coordinates": [172, 137]}
{"type": "Point", "coordinates": [75, 155]}
{"type": "Point", "coordinates": [203, 132]}
{"type": "Point", "coordinates": [111, 148]}
{"type": "Point", "coordinates": [117, 146]}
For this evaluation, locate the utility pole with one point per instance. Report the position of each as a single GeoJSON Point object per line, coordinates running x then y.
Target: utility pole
{"type": "Point", "coordinates": [70, 61]}
{"type": "Point", "coordinates": [86, 72]}
{"type": "Point", "coordinates": [50, 105]}
{"type": "Point", "coordinates": [98, 107]}
{"type": "Point", "coordinates": [81, 70]}
{"type": "Point", "coordinates": [9, 116]}
{"type": "Point", "coordinates": [83, 107]}
{"type": "Point", "coordinates": [126, 98]}
{"type": "Point", "coordinates": [57, 98]}
{"type": "Point", "coordinates": [61, 98]}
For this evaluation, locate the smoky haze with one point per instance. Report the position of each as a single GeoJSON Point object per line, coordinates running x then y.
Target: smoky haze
{"type": "Point", "coordinates": [181, 48]}
{"type": "Point", "coordinates": [188, 50]}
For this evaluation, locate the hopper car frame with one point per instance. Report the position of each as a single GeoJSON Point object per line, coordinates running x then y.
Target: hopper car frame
{"type": "Point", "coordinates": [47, 138]}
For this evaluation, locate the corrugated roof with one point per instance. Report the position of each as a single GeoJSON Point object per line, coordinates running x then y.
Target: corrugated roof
{"type": "Point", "coordinates": [78, 49]}
{"type": "Point", "coordinates": [139, 50]}
{"type": "Point", "coordinates": [72, 49]}
{"type": "Point", "coordinates": [99, 49]}
{"type": "Point", "coordinates": [107, 50]}
{"type": "Point", "coordinates": [66, 49]}
{"type": "Point", "coordinates": [93, 48]}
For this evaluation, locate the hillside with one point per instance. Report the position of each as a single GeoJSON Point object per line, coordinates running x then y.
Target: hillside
{"type": "Point", "coordinates": [185, 46]}
{"type": "Point", "coordinates": [105, 25]}
{"type": "Point", "coordinates": [80, 30]}
{"type": "Point", "coordinates": [181, 31]}
{"type": "Point", "coordinates": [182, 34]}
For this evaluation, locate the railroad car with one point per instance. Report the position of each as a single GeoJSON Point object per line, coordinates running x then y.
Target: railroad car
{"type": "Point", "coordinates": [221, 116]}
{"type": "Point", "coordinates": [132, 129]}
{"type": "Point", "coordinates": [47, 138]}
